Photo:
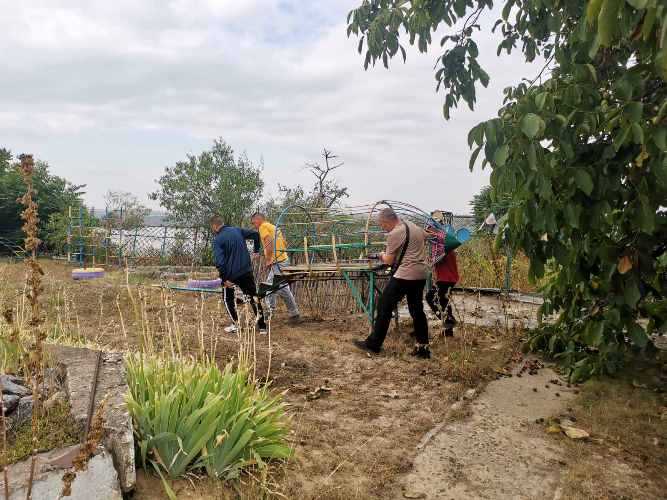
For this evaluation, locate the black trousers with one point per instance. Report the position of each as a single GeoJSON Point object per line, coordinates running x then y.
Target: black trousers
{"type": "Point", "coordinates": [441, 292]}
{"type": "Point", "coordinates": [392, 294]}
{"type": "Point", "coordinates": [246, 283]}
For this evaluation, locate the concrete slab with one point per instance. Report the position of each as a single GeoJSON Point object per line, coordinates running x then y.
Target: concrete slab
{"type": "Point", "coordinates": [98, 481]}
{"type": "Point", "coordinates": [499, 453]}
{"type": "Point", "coordinates": [118, 435]}
{"type": "Point", "coordinates": [79, 364]}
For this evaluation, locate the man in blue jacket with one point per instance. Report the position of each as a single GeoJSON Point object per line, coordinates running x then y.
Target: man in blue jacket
{"type": "Point", "coordinates": [235, 268]}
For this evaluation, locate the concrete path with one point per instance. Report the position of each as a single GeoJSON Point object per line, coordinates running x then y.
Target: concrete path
{"type": "Point", "coordinates": [499, 452]}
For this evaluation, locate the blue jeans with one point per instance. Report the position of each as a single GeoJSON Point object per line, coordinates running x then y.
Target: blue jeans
{"type": "Point", "coordinates": [285, 292]}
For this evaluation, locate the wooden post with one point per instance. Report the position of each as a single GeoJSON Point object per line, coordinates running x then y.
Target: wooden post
{"type": "Point", "coordinates": [164, 243]}
{"type": "Point", "coordinates": [335, 253]}
{"type": "Point", "coordinates": [134, 245]}
{"type": "Point", "coordinates": [69, 235]}
{"type": "Point", "coordinates": [120, 239]}
{"type": "Point", "coordinates": [305, 251]}
{"type": "Point", "coordinates": [194, 249]}
{"type": "Point", "coordinates": [82, 249]}
{"type": "Point", "coordinates": [106, 246]}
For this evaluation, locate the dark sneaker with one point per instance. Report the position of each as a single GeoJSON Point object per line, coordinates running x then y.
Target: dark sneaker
{"type": "Point", "coordinates": [449, 332]}
{"type": "Point", "coordinates": [294, 320]}
{"type": "Point", "coordinates": [422, 352]}
{"type": "Point", "coordinates": [450, 323]}
{"type": "Point", "coordinates": [361, 344]}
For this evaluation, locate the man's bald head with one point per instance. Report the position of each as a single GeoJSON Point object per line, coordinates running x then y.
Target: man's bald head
{"type": "Point", "coordinates": [387, 219]}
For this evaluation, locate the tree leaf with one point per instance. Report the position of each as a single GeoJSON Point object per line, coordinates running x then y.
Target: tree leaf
{"type": "Point", "coordinates": [621, 137]}
{"type": "Point", "coordinates": [631, 294]}
{"type": "Point", "coordinates": [608, 21]}
{"type": "Point", "coordinates": [594, 333]}
{"type": "Point", "coordinates": [532, 157]}
{"type": "Point", "coordinates": [583, 181]}
{"type": "Point", "coordinates": [593, 10]}
{"type": "Point", "coordinates": [483, 77]}
{"type": "Point", "coordinates": [649, 20]}
{"type": "Point", "coordinates": [638, 4]}
{"type": "Point", "coordinates": [531, 125]}
{"type": "Point", "coordinates": [660, 138]}
{"type": "Point", "coordinates": [472, 49]}
{"type": "Point", "coordinates": [506, 9]}
{"type": "Point", "coordinates": [638, 335]}
{"type": "Point", "coordinates": [634, 111]}
{"type": "Point", "coordinates": [473, 158]}
{"type": "Point", "coordinates": [540, 99]}
{"type": "Point", "coordinates": [637, 133]}
{"type": "Point", "coordinates": [646, 216]}
{"type": "Point", "coordinates": [595, 46]}
{"type": "Point", "coordinates": [572, 215]}
{"type": "Point", "coordinates": [500, 157]}
{"type": "Point", "coordinates": [476, 135]}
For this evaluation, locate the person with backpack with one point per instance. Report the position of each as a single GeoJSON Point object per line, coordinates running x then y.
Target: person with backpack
{"type": "Point", "coordinates": [446, 275]}
{"type": "Point", "coordinates": [405, 253]}
{"type": "Point", "coordinates": [232, 260]}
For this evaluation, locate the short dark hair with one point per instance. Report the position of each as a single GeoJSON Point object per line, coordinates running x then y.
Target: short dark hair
{"type": "Point", "coordinates": [215, 220]}
{"type": "Point", "coordinates": [258, 214]}
{"type": "Point", "coordinates": [387, 214]}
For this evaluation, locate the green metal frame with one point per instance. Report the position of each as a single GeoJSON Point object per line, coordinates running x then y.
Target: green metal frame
{"type": "Point", "coordinates": [367, 306]}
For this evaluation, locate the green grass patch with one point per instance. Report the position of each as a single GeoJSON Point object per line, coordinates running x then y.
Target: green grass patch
{"type": "Point", "coordinates": [55, 431]}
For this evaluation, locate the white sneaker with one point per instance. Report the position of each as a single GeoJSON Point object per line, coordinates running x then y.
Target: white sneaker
{"type": "Point", "coordinates": [231, 329]}
{"type": "Point", "coordinates": [263, 331]}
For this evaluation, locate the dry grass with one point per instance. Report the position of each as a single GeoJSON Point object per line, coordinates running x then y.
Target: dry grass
{"type": "Point", "coordinates": [481, 265]}
{"type": "Point", "coordinates": [627, 418]}
{"type": "Point", "coordinates": [353, 442]}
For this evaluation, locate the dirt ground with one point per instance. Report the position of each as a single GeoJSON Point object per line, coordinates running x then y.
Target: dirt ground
{"type": "Point", "coordinates": [355, 440]}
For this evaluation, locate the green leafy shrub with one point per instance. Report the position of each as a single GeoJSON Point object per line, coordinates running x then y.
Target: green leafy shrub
{"type": "Point", "coordinates": [189, 416]}
{"type": "Point", "coordinates": [581, 148]}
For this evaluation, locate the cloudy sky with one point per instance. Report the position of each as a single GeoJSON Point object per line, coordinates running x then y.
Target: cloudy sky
{"type": "Point", "coordinates": [111, 92]}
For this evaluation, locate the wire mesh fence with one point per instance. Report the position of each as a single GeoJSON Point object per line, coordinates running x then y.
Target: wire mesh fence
{"type": "Point", "coordinates": [141, 246]}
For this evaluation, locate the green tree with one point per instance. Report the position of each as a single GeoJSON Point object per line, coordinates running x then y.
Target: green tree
{"type": "Point", "coordinates": [124, 210]}
{"type": "Point", "coordinates": [582, 149]}
{"type": "Point", "coordinates": [54, 195]}
{"type": "Point", "coordinates": [215, 182]}
{"type": "Point", "coordinates": [487, 201]}
{"type": "Point", "coordinates": [58, 224]}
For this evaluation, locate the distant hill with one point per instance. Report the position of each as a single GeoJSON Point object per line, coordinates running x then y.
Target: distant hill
{"type": "Point", "coordinates": [153, 219]}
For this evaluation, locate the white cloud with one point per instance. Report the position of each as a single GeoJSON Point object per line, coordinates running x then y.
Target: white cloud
{"type": "Point", "coordinates": [111, 92]}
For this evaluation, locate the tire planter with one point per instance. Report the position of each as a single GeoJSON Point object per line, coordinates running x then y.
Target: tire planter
{"type": "Point", "coordinates": [89, 273]}
{"type": "Point", "coordinates": [217, 283]}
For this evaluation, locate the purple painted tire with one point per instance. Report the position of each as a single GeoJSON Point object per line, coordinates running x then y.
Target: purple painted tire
{"type": "Point", "coordinates": [205, 283]}
{"type": "Point", "coordinates": [87, 274]}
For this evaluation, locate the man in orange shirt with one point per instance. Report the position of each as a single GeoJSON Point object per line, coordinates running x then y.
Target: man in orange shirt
{"type": "Point", "coordinates": [275, 253]}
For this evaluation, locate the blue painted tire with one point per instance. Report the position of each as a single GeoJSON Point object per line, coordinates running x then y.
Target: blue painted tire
{"type": "Point", "coordinates": [87, 273]}
{"type": "Point", "coordinates": [463, 235]}
{"type": "Point", "coordinates": [217, 283]}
